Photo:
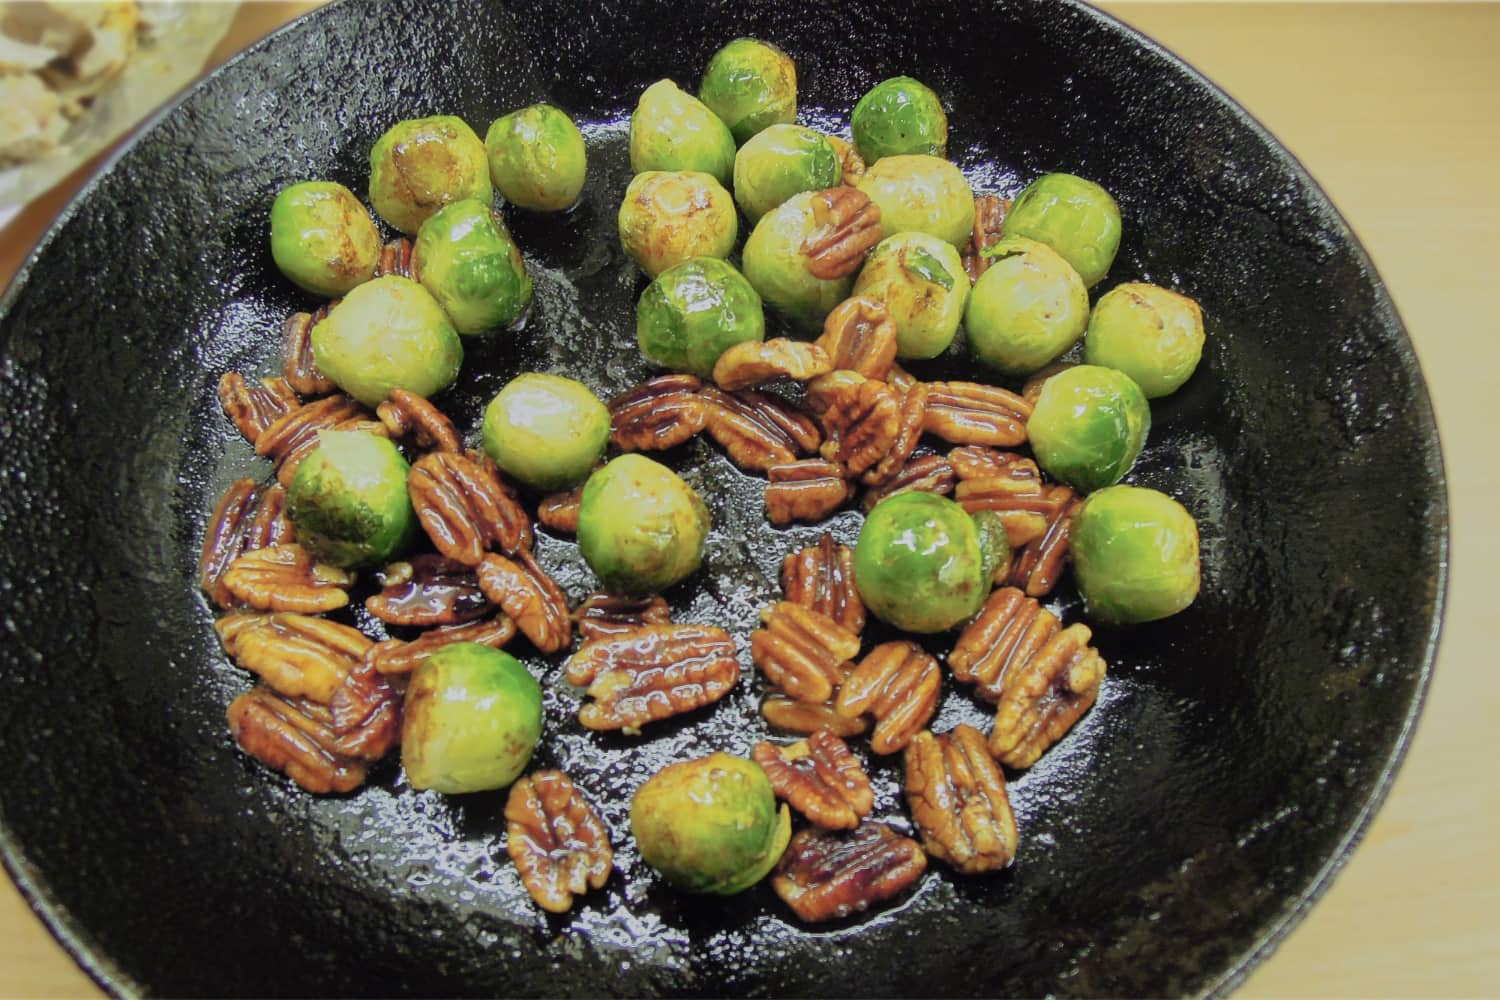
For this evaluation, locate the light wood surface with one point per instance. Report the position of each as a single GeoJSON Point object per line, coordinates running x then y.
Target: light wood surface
{"type": "Point", "coordinates": [1392, 107]}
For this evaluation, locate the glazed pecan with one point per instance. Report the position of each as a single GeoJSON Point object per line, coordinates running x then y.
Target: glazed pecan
{"type": "Point", "coordinates": [530, 597]}
{"type": "Point", "coordinates": [1038, 565]}
{"type": "Point", "coordinates": [604, 616]}
{"type": "Point", "coordinates": [652, 673]}
{"type": "Point", "coordinates": [465, 508]}
{"type": "Point", "coordinates": [253, 408]}
{"type": "Point", "coordinates": [957, 798]}
{"type": "Point", "coordinates": [366, 713]}
{"type": "Point", "coordinates": [658, 414]}
{"type": "Point", "coordinates": [827, 876]}
{"type": "Point", "coordinates": [286, 578]}
{"type": "Point", "coordinates": [755, 362]}
{"type": "Point", "coordinates": [249, 517]}
{"type": "Point", "coordinates": [407, 415]}
{"type": "Point", "coordinates": [297, 364]}
{"type": "Point", "coordinates": [1009, 629]}
{"type": "Point", "coordinates": [1042, 697]}
{"type": "Point", "coordinates": [295, 433]}
{"type": "Point", "coordinates": [801, 651]}
{"type": "Point", "coordinates": [846, 225]}
{"type": "Point", "coordinates": [1011, 486]}
{"type": "Point", "coordinates": [559, 845]}
{"type": "Point", "coordinates": [821, 577]}
{"type": "Point", "coordinates": [909, 420]}
{"type": "Point", "coordinates": [795, 716]}
{"type": "Point", "coordinates": [758, 431]}
{"type": "Point", "coordinates": [989, 221]}
{"type": "Point", "coordinates": [293, 736]}
{"type": "Point", "coordinates": [897, 683]}
{"type": "Point", "coordinates": [973, 461]}
{"type": "Point", "coordinates": [806, 491]}
{"type": "Point", "coordinates": [428, 590]}
{"type": "Point", "coordinates": [900, 379]}
{"type": "Point", "coordinates": [859, 336]}
{"type": "Point", "coordinates": [396, 657]}
{"type": "Point", "coordinates": [398, 257]}
{"type": "Point", "coordinates": [820, 778]}
{"type": "Point", "coordinates": [927, 473]}
{"type": "Point", "coordinates": [1032, 388]}
{"type": "Point", "coordinates": [559, 511]}
{"type": "Point", "coordinates": [297, 655]}
{"type": "Point", "coordinates": [861, 417]}
{"type": "Point", "coordinates": [851, 163]}
{"type": "Point", "coordinates": [970, 413]}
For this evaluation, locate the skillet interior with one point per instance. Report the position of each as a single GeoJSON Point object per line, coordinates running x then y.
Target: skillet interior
{"type": "Point", "coordinates": [1235, 753]}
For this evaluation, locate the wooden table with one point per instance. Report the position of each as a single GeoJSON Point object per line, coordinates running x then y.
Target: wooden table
{"type": "Point", "coordinates": [1392, 107]}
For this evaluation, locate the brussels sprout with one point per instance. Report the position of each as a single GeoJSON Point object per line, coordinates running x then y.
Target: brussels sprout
{"type": "Point", "coordinates": [422, 164]}
{"type": "Point", "coordinates": [537, 157]}
{"type": "Point", "coordinates": [750, 85]}
{"type": "Point", "coordinates": [776, 264]}
{"type": "Point", "coordinates": [694, 312]}
{"type": "Point", "coordinates": [994, 545]}
{"type": "Point", "coordinates": [919, 563]}
{"type": "Point", "coordinates": [899, 116]}
{"type": "Point", "coordinates": [466, 258]}
{"type": "Point", "coordinates": [670, 216]}
{"type": "Point", "coordinates": [1151, 334]}
{"type": "Point", "coordinates": [322, 238]}
{"type": "Point", "coordinates": [673, 130]}
{"type": "Point", "coordinates": [1135, 555]}
{"type": "Point", "coordinates": [921, 194]}
{"type": "Point", "coordinates": [1075, 217]}
{"type": "Point", "coordinates": [388, 333]}
{"type": "Point", "coordinates": [1088, 426]}
{"type": "Point", "coordinates": [921, 280]}
{"type": "Point", "coordinates": [779, 162]}
{"type": "Point", "coordinates": [1028, 307]}
{"type": "Point", "coordinates": [640, 527]}
{"type": "Point", "coordinates": [348, 500]}
{"type": "Point", "coordinates": [546, 430]}
{"type": "Point", "coordinates": [710, 824]}
{"type": "Point", "coordinates": [472, 718]}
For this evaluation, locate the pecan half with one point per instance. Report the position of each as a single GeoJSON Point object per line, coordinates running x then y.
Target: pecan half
{"type": "Point", "coordinates": [827, 876]}
{"type": "Point", "coordinates": [860, 336]}
{"type": "Point", "coordinates": [851, 163]}
{"type": "Point", "coordinates": [898, 683]}
{"type": "Point", "coordinates": [297, 364]}
{"type": "Point", "coordinates": [973, 461]}
{"type": "Point", "coordinates": [821, 577]}
{"type": "Point", "coordinates": [970, 413]}
{"type": "Point", "coordinates": [795, 716]}
{"type": "Point", "coordinates": [958, 801]}
{"type": "Point", "coordinates": [658, 414]}
{"type": "Point", "coordinates": [407, 415]}
{"type": "Point", "coordinates": [248, 517]}
{"type": "Point", "coordinates": [559, 511]}
{"type": "Point", "coordinates": [253, 408]}
{"type": "Point", "coordinates": [860, 416]}
{"type": "Point", "coordinates": [900, 379]}
{"type": "Point", "coordinates": [295, 433]}
{"type": "Point", "coordinates": [295, 737]}
{"type": "Point", "coordinates": [755, 362]}
{"type": "Point", "coordinates": [909, 420]}
{"type": "Point", "coordinates": [1017, 495]}
{"type": "Point", "coordinates": [806, 491]}
{"type": "Point", "coordinates": [652, 673]}
{"type": "Point", "coordinates": [530, 597]}
{"type": "Point", "coordinates": [465, 508]}
{"type": "Point", "coordinates": [820, 778]}
{"type": "Point", "coordinates": [989, 222]}
{"type": "Point", "coordinates": [286, 578]}
{"type": "Point", "coordinates": [928, 473]}
{"type": "Point", "coordinates": [1043, 697]}
{"type": "Point", "coordinates": [846, 225]}
{"type": "Point", "coordinates": [398, 257]}
{"type": "Point", "coordinates": [559, 845]}
{"type": "Point", "coordinates": [1038, 565]}
{"type": "Point", "coordinates": [297, 655]}
{"type": "Point", "coordinates": [801, 651]}
{"type": "Point", "coordinates": [604, 616]}
{"type": "Point", "coordinates": [758, 431]}
{"type": "Point", "coordinates": [428, 590]}
{"type": "Point", "coordinates": [366, 713]}
{"type": "Point", "coordinates": [396, 657]}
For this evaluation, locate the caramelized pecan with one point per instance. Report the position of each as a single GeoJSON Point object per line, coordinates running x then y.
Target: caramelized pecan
{"type": "Point", "coordinates": [1010, 628]}
{"type": "Point", "coordinates": [970, 413]}
{"type": "Point", "coordinates": [297, 364]}
{"type": "Point", "coordinates": [758, 431]}
{"type": "Point", "coordinates": [989, 221]}
{"type": "Point", "coordinates": [957, 798]}
{"type": "Point", "coordinates": [820, 778]}
{"type": "Point", "coordinates": [396, 657]}
{"type": "Point", "coordinates": [652, 673]}
{"type": "Point", "coordinates": [973, 461]}
{"type": "Point", "coordinates": [1038, 565]}
{"type": "Point", "coordinates": [860, 336]}
{"type": "Point", "coordinates": [860, 416]}
{"type": "Point", "coordinates": [658, 414]}
{"type": "Point", "coordinates": [755, 362]}
{"type": "Point", "coordinates": [558, 842]}
{"type": "Point", "coordinates": [1042, 697]}
{"type": "Point", "coordinates": [248, 517]}
{"type": "Point", "coordinates": [366, 713]}
{"type": "Point", "coordinates": [795, 716]}
{"type": "Point", "coordinates": [398, 257]}
{"type": "Point", "coordinates": [559, 511]}
{"type": "Point", "coordinates": [428, 590]}
{"type": "Point", "coordinates": [465, 508]}
{"type": "Point", "coordinates": [927, 473]}
{"type": "Point", "coordinates": [827, 876]}
{"type": "Point", "coordinates": [909, 420]}
{"type": "Point", "coordinates": [851, 163]}
{"type": "Point", "coordinates": [603, 616]}
{"type": "Point", "coordinates": [295, 433]}
{"type": "Point", "coordinates": [1010, 486]}
{"type": "Point", "coordinates": [286, 578]}
{"type": "Point", "coordinates": [821, 577]}
{"type": "Point", "coordinates": [901, 380]}
{"type": "Point", "coordinates": [253, 408]}
{"type": "Point", "coordinates": [530, 597]}
{"type": "Point", "coordinates": [806, 491]}
{"type": "Point", "coordinates": [801, 651]}
{"type": "Point", "coordinates": [897, 683]}
{"type": "Point", "coordinates": [297, 655]}
{"type": "Point", "coordinates": [295, 737]}
{"type": "Point", "coordinates": [407, 415]}
{"type": "Point", "coordinates": [846, 225]}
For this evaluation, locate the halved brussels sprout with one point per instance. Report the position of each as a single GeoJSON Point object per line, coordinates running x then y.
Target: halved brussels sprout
{"type": "Point", "coordinates": [348, 500]}
{"type": "Point", "coordinates": [899, 116]}
{"type": "Point", "coordinates": [421, 164]}
{"type": "Point", "coordinates": [921, 280]}
{"type": "Point", "coordinates": [673, 130]}
{"type": "Point", "coordinates": [668, 217]}
{"type": "Point", "coordinates": [924, 194]}
{"type": "Point", "coordinates": [1089, 426]}
{"type": "Point", "coordinates": [1028, 307]}
{"type": "Point", "coordinates": [776, 265]}
{"type": "Point", "coordinates": [538, 158]}
{"type": "Point", "coordinates": [694, 312]}
{"type": "Point", "coordinates": [1135, 555]}
{"type": "Point", "coordinates": [322, 238]}
{"type": "Point", "coordinates": [640, 527]}
{"type": "Point", "coordinates": [750, 85]}
{"type": "Point", "coordinates": [387, 333]}
{"type": "Point", "coordinates": [546, 430]}
{"type": "Point", "coordinates": [779, 162]}
{"type": "Point", "coordinates": [919, 563]}
{"type": "Point", "coordinates": [1073, 216]}
{"type": "Point", "coordinates": [711, 824]}
{"type": "Point", "coordinates": [1151, 334]}
{"type": "Point", "coordinates": [466, 258]}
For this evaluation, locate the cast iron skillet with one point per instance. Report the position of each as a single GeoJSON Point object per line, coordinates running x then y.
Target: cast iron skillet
{"type": "Point", "coordinates": [1234, 758]}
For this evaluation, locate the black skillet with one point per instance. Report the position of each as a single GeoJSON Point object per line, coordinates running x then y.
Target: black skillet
{"type": "Point", "coordinates": [1233, 761]}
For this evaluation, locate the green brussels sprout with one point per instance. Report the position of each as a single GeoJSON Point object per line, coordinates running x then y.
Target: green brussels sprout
{"type": "Point", "coordinates": [750, 85]}
{"type": "Point", "coordinates": [421, 164]}
{"type": "Point", "coordinates": [710, 824]}
{"type": "Point", "coordinates": [776, 264]}
{"type": "Point", "coordinates": [466, 258]}
{"type": "Point", "coordinates": [670, 216]}
{"type": "Point", "coordinates": [779, 162]}
{"type": "Point", "coordinates": [472, 718]}
{"type": "Point", "coordinates": [921, 280]}
{"type": "Point", "coordinates": [348, 500]}
{"type": "Point", "coordinates": [1088, 426]}
{"type": "Point", "coordinates": [640, 527]}
{"type": "Point", "coordinates": [1135, 555]}
{"type": "Point", "coordinates": [537, 157]}
{"type": "Point", "coordinates": [322, 238]}
{"type": "Point", "coordinates": [1151, 334]}
{"type": "Point", "coordinates": [1075, 217]}
{"type": "Point", "coordinates": [1027, 308]}
{"type": "Point", "coordinates": [673, 130]}
{"type": "Point", "coordinates": [899, 116]}
{"type": "Point", "coordinates": [546, 430]}
{"type": "Point", "coordinates": [919, 563]}
{"type": "Point", "coordinates": [923, 194]}
{"type": "Point", "coordinates": [388, 333]}
{"type": "Point", "coordinates": [694, 312]}
{"type": "Point", "coordinates": [994, 545]}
